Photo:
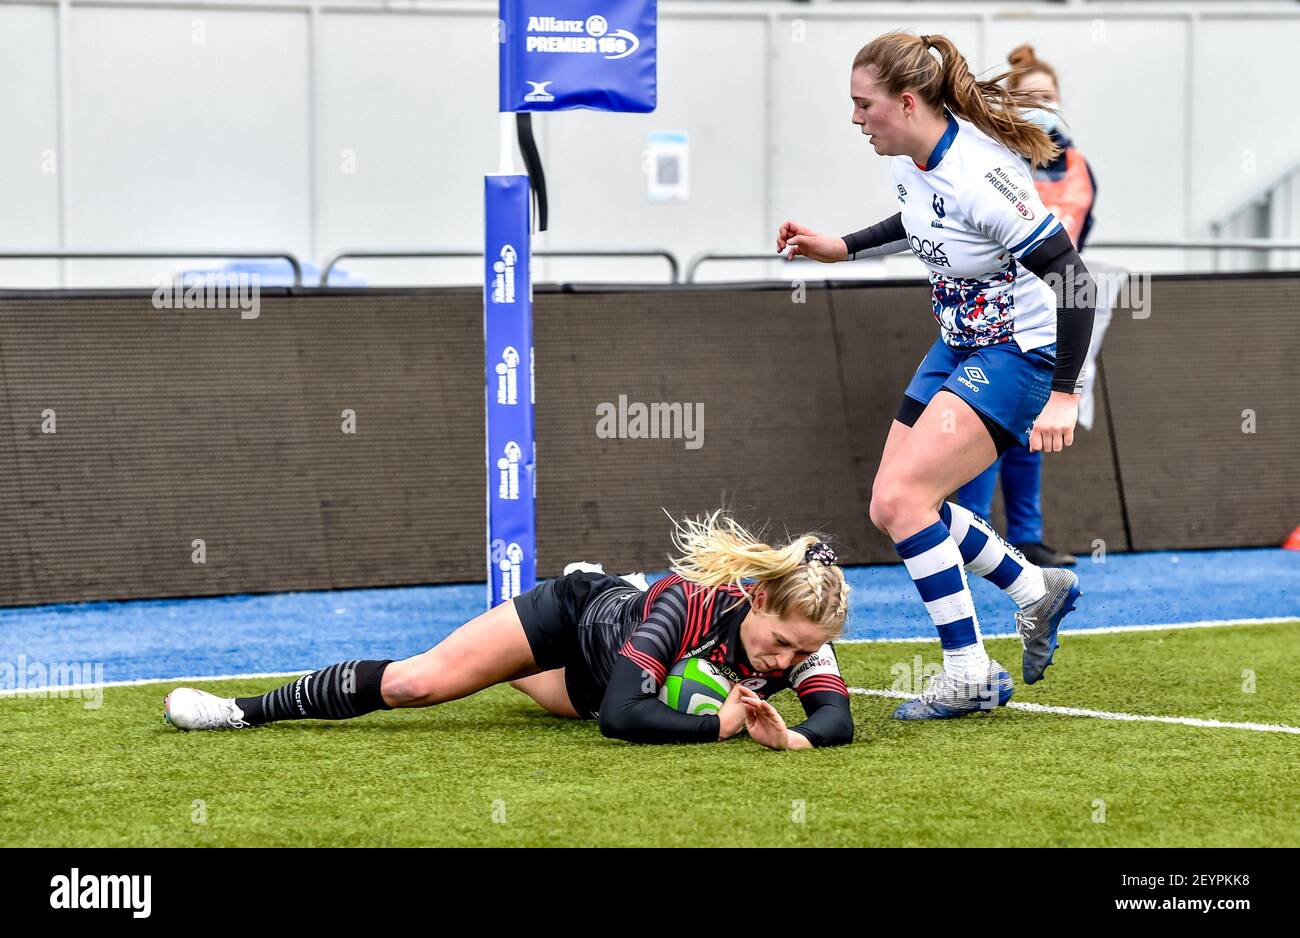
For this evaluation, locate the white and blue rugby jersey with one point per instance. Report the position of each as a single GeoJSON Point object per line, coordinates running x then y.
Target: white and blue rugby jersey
{"type": "Point", "coordinates": [971, 215]}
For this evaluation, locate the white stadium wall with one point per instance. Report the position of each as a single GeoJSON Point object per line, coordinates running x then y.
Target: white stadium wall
{"type": "Point", "coordinates": [314, 128]}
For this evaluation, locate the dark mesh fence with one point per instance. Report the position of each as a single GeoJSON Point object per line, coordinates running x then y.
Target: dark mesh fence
{"type": "Point", "coordinates": [182, 426]}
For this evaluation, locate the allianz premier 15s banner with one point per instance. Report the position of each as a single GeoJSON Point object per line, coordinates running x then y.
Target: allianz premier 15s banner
{"type": "Point", "coordinates": [561, 55]}
{"type": "Point", "coordinates": [508, 337]}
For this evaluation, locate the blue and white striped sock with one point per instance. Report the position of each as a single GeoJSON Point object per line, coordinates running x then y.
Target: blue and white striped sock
{"type": "Point", "coordinates": [986, 554]}
{"type": "Point", "coordinates": [935, 565]}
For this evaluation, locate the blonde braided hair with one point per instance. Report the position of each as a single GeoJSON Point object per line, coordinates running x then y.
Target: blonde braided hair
{"type": "Point", "coordinates": [717, 551]}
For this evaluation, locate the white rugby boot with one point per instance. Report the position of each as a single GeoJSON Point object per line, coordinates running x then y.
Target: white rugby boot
{"type": "Point", "coordinates": [188, 709]}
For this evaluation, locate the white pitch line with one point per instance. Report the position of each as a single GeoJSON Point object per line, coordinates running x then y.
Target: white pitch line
{"type": "Point", "coordinates": [1107, 715]}
{"type": "Point", "coordinates": [1103, 630]}
{"type": "Point", "coordinates": [866, 692]}
{"type": "Point", "coordinates": [58, 689]}
{"type": "Point", "coordinates": [61, 690]}
{"type": "Point", "coordinates": [1098, 630]}
{"type": "Point", "coordinates": [908, 640]}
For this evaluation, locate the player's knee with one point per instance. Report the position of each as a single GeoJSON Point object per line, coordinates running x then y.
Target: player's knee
{"type": "Point", "coordinates": [876, 510]}
{"type": "Point", "coordinates": [889, 502]}
{"type": "Point", "coordinates": [411, 683]}
{"type": "Point", "coordinates": [876, 514]}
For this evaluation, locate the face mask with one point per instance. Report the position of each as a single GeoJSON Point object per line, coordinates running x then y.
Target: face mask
{"type": "Point", "coordinates": [1049, 120]}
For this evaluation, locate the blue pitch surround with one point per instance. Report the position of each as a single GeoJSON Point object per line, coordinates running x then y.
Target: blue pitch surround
{"type": "Point", "coordinates": [303, 631]}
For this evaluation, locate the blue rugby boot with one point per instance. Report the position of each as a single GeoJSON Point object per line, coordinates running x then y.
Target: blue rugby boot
{"type": "Point", "coordinates": [947, 697]}
{"type": "Point", "coordinates": [1039, 624]}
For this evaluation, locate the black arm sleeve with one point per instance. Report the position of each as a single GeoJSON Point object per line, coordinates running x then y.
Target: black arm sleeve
{"type": "Point", "coordinates": [829, 723]}
{"type": "Point", "coordinates": [1058, 264]}
{"type": "Point", "coordinates": [888, 237]}
{"type": "Point", "coordinates": [629, 712]}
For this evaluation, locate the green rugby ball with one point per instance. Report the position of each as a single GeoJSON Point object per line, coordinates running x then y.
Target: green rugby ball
{"type": "Point", "coordinates": [694, 686]}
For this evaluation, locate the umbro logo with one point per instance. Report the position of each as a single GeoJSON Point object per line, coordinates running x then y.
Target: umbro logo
{"type": "Point", "coordinates": [973, 376]}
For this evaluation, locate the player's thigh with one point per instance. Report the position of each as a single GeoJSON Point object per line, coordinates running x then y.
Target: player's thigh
{"type": "Point", "coordinates": [948, 446]}
{"type": "Point", "coordinates": [930, 374]}
{"type": "Point", "coordinates": [898, 432]}
{"type": "Point", "coordinates": [487, 650]}
{"type": "Point", "coordinates": [550, 690]}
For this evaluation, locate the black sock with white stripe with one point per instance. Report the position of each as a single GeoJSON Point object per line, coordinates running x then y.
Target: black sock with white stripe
{"type": "Point", "coordinates": [339, 692]}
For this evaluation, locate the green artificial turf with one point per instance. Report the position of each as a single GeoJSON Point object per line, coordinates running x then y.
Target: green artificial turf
{"type": "Point", "coordinates": [495, 770]}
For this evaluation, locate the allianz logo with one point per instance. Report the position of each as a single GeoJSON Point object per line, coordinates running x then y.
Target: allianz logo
{"type": "Point", "coordinates": [509, 559]}
{"type": "Point", "coordinates": [503, 280]}
{"type": "Point", "coordinates": [508, 469]}
{"type": "Point", "coordinates": [599, 39]}
{"type": "Point", "coordinates": [508, 376]}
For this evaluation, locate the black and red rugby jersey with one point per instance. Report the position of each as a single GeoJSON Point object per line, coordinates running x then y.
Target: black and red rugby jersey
{"type": "Point", "coordinates": [678, 619]}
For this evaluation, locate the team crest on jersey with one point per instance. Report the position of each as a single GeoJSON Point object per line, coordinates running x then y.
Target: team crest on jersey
{"type": "Point", "coordinates": [755, 684]}
{"type": "Point", "coordinates": [937, 204]}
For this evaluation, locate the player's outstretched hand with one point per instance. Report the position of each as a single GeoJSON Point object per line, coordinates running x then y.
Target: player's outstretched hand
{"type": "Point", "coordinates": [799, 241]}
{"type": "Point", "coordinates": [1054, 429]}
{"type": "Point", "coordinates": [731, 715]}
{"type": "Point", "coordinates": [763, 722]}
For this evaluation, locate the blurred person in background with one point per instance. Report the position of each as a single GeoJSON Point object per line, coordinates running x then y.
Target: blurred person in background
{"type": "Point", "coordinates": [1068, 188]}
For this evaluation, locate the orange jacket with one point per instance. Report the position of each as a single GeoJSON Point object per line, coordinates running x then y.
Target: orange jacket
{"type": "Point", "coordinates": [1068, 189]}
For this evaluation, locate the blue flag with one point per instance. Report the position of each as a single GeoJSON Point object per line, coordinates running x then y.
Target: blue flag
{"type": "Point", "coordinates": [562, 55]}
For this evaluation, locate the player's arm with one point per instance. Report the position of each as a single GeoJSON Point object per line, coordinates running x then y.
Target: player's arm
{"type": "Point", "coordinates": [887, 237]}
{"type": "Point", "coordinates": [825, 700]}
{"type": "Point", "coordinates": [1056, 262]}
{"type": "Point", "coordinates": [631, 709]}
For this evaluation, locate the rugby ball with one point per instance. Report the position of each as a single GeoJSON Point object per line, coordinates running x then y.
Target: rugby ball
{"type": "Point", "coordinates": [694, 686]}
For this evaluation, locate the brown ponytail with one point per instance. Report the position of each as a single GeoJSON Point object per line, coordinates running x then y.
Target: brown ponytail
{"type": "Point", "coordinates": [903, 62]}
{"type": "Point", "coordinates": [1024, 62]}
